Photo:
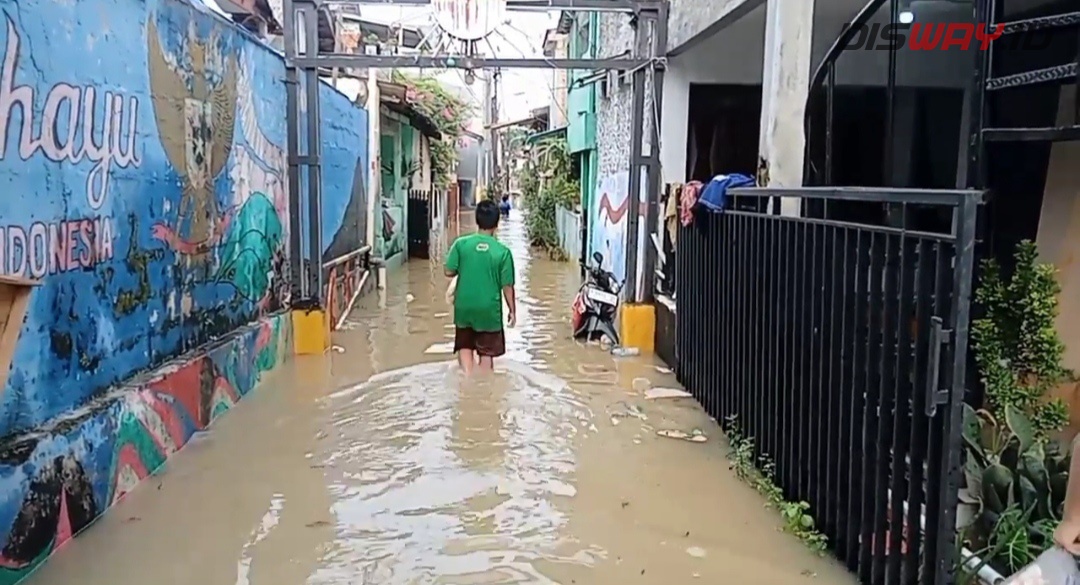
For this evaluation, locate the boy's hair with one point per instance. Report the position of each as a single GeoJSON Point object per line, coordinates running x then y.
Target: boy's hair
{"type": "Point", "coordinates": [506, 197]}
{"type": "Point", "coordinates": [487, 215]}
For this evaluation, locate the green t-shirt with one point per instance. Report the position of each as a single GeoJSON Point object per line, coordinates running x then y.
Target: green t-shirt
{"type": "Point", "coordinates": [484, 266]}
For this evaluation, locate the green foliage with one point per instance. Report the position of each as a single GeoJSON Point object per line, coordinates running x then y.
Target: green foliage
{"type": "Point", "coordinates": [1008, 466]}
{"type": "Point", "coordinates": [1014, 473]}
{"type": "Point", "coordinates": [449, 114]}
{"type": "Point", "coordinates": [797, 518]}
{"type": "Point", "coordinates": [1016, 343]}
{"type": "Point", "coordinates": [546, 184]}
{"type": "Point", "coordinates": [1014, 540]}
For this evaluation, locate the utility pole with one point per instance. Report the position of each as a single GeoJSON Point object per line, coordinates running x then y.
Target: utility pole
{"type": "Point", "coordinates": [485, 107]}
{"type": "Point", "coordinates": [493, 133]}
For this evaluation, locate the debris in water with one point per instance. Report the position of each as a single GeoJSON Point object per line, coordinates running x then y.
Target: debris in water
{"type": "Point", "coordinates": [409, 298]}
{"type": "Point", "coordinates": [441, 315]}
{"type": "Point", "coordinates": [338, 349]}
{"type": "Point", "coordinates": [133, 519]}
{"type": "Point", "coordinates": [695, 437]}
{"type": "Point", "coordinates": [318, 523]}
{"type": "Point", "coordinates": [320, 435]}
{"type": "Point", "coordinates": [625, 351]}
{"type": "Point", "coordinates": [445, 347]}
{"type": "Point", "coordinates": [808, 573]}
{"type": "Point", "coordinates": [624, 410]}
{"type": "Point", "coordinates": [658, 393]}
{"type": "Point", "coordinates": [663, 370]}
{"type": "Point", "coordinates": [641, 384]}
{"type": "Point", "coordinates": [586, 369]}
{"type": "Point", "coordinates": [696, 551]}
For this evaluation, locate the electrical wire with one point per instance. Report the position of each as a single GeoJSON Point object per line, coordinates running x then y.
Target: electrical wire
{"type": "Point", "coordinates": [551, 90]}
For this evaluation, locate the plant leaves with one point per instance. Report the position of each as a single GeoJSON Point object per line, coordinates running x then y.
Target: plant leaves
{"type": "Point", "coordinates": [1020, 426]}
{"type": "Point", "coordinates": [997, 484]}
{"type": "Point", "coordinates": [972, 435]}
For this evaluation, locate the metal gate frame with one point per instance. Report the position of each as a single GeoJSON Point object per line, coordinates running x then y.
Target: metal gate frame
{"type": "Point", "coordinates": [842, 350]}
{"type": "Point", "coordinates": [303, 60]}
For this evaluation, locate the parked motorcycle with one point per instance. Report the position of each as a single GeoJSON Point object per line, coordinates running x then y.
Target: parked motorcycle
{"type": "Point", "coordinates": [596, 304]}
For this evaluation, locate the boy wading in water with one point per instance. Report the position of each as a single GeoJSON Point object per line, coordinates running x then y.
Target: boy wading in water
{"type": "Point", "coordinates": [485, 276]}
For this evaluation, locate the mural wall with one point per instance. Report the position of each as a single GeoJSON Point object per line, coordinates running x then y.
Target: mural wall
{"type": "Point", "coordinates": [144, 185]}
{"type": "Point", "coordinates": [345, 160]}
{"type": "Point", "coordinates": [608, 225]}
{"type": "Point", "coordinates": [56, 482]}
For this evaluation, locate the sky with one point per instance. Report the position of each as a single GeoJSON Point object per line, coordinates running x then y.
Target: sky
{"type": "Point", "coordinates": [523, 36]}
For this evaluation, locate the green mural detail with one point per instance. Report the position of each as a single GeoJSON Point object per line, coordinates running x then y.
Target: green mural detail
{"type": "Point", "coordinates": [132, 432]}
{"type": "Point", "coordinates": [268, 355]}
{"type": "Point", "coordinates": [248, 251]}
{"type": "Point", "coordinates": [11, 576]}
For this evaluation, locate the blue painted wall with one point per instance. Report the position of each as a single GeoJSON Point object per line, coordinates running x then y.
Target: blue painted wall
{"type": "Point", "coordinates": [143, 181]}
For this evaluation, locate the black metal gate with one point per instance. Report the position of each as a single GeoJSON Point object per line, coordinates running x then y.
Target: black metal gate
{"type": "Point", "coordinates": [840, 347]}
{"type": "Point", "coordinates": [419, 224]}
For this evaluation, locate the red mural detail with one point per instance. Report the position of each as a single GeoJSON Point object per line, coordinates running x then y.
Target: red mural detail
{"type": "Point", "coordinates": [616, 214]}
{"type": "Point", "coordinates": [222, 386]}
{"type": "Point", "coordinates": [173, 424]}
{"type": "Point", "coordinates": [128, 458]}
{"type": "Point", "coordinates": [63, 524]}
{"type": "Point", "coordinates": [265, 335]}
{"type": "Point", "coordinates": [172, 238]}
{"type": "Point", "coordinates": [183, 385]}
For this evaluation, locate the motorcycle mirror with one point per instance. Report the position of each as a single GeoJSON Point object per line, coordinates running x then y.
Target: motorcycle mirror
{"type": "Point", "coordinates": [598, 257]}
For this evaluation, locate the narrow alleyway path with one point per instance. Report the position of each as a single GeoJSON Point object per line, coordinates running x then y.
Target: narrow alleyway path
{"type": "Point", "coordinates": [377, 464]}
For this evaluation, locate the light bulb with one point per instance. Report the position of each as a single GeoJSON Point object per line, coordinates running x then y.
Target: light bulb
{"type": "Point", "coordinates": [470, 77]}
{"type": "Point", "coordinates": [907, 17]}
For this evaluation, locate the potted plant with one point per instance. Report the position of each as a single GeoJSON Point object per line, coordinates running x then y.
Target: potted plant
{"type": "Point", "coordinates": [1015, 473]}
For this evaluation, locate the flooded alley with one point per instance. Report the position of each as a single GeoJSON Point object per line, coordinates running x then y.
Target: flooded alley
{"type": "Point", "coordinates": [378, 463]}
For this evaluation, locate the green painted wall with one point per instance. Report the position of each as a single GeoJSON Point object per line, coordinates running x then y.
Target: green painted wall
{"type": "Point", "coordinates": [390, 219]}
{"type": "Point", "coordinates": [581, 101]}
{"type": "Point", "coordinates": [399, 162]}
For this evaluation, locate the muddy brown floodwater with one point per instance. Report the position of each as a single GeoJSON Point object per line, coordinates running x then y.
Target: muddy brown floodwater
{"type": "Point", "coordinates": [379, 464]}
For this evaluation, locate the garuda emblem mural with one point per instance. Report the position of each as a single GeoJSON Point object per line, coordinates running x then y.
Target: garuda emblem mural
{"type": "Point", "coordinates": [195, 108]}
{"type": "Point", "coordinates": [196, 99]}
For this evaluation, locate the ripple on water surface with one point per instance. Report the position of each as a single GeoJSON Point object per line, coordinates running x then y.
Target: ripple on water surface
{"type": "Point", "coordinates": [462, 479]}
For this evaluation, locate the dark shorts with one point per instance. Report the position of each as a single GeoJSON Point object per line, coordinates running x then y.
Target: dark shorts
{"type": "Point", "coordinates": [485, 343]}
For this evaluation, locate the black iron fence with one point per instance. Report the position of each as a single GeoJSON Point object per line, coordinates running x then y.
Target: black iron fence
{"type": "Point", "coordinates": [839, 346]}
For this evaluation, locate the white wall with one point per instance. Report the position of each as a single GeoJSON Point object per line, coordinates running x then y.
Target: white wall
{"type": "Point", "coordinates": [735, 55]}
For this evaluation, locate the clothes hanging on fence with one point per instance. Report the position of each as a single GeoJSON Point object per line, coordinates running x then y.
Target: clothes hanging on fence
{"type": "Point", "coordinates": [688, 198]}
{"type": "Point", "coordinates": [671, 216]}
{"type": "Point", "coordinates": [714, 195]}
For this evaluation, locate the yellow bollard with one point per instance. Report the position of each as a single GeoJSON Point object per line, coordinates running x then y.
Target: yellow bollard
{"type": "Point", "coordinates": [637, 326]}
{"type": "Point", "coordinates": [311, 331]}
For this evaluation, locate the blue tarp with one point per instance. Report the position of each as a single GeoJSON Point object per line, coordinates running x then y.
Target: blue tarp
{"type": "Point", "coordinates": [714, 195]}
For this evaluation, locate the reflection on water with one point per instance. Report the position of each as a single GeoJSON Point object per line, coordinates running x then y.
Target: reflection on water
{"type": "Point", "coordinates": [383, 464]}
{"type": "Point", "coordinates": [462, 480]}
